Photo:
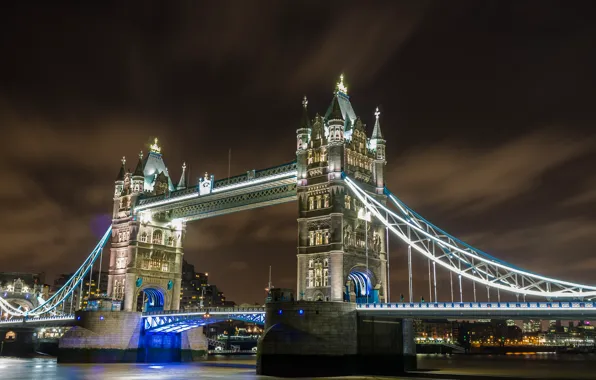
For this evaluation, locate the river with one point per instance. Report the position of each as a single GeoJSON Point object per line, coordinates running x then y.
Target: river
{"type": "Point", "coordinates": [544, 366]}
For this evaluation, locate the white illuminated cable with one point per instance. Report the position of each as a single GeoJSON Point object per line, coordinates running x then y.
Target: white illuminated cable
{"type": "Point", "coordinates": [445, 244]}
{"type": "Point", "coordinates": [362, 198]}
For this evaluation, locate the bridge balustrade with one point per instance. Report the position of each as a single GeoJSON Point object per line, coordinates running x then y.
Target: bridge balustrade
{"type": "Point", "coordinates": [480, 305]}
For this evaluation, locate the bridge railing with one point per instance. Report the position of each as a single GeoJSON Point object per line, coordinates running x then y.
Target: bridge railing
{"type": "Point", "coordinates": [224, 184]}
{"type": "Point", "coordinates": [480, 305]}
{"type": "Point", "coordinates": [205, 310]}
{"type": "Point", "coordinates": [65, 317]}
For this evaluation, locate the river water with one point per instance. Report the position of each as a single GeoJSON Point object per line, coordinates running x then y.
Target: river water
{"type": "Point", "coordinates": [544, 366]}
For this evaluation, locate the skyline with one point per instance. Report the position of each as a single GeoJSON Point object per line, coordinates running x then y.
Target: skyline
{"type": "Point", "coordinates": [487, 115]}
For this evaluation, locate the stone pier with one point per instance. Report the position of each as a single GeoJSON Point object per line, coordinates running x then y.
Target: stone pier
{"type": "Point", "coordinates": [309, 338]}
{"type": "Point", "coordinates": [118, 337]}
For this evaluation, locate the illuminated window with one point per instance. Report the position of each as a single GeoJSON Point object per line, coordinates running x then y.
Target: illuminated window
{"type": "Point", "coordinates": [326, 263]}
{"type": "Point", "coordinates": [318, 201]}
{"type": "Point", "coordinates": [311, 238]}
{"type": "Point", "coordinates": [325, 237]}
{"type": "Point", "coordinates": [310, 278]}
{"type": "Point", "coordinates": [325, 277]}
{"type": "Point", "coordinates": [311, 203]}
{"type": "Point", "coordinates": [157, 237]}
{"type": "Point", "coordinates": [326, 200]}
{"type": "Point", "coordinates": [144, 237]}
{"type": "Point", "coordinates": [11, 335]}
{"type": "Point", "coordinates": [311, 263]}
{"type": "Point", "coordinates": [347, 201]}
{"type": "Point", "coordinates": [170, 240]}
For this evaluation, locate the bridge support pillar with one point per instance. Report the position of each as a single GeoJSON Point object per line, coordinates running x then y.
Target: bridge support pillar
{"type": "Point", "coordinates": [194, 345]}
{"type": "Point", "coordinates": [102, 337]}
{"type": "Point", "coordinates": [330, 339]}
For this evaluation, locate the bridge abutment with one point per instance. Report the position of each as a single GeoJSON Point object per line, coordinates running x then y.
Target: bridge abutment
{"type": "Point", "coordinates": [118, 337]}
{"type": "Point", "coordinates": [307, 338]}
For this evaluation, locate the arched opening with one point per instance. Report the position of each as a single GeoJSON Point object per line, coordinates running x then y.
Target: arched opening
{"type": "Point", "coordinates": [157, 237]}
{"type": "Point", "coordinates": [11, 335]}
{"type": "Point", "coordinates": [150, 299]}
{"type": "Point", "coordinates": [359, 287]}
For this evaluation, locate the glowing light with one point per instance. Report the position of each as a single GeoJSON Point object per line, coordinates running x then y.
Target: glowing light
{"type": "Point", "coordinates": [300, 311]}
{"type": "Point", "coordinates": [220, 189]}
{"type": "Point", "coordinates": [154, 147]}
{"type": "Point", "coordinates": [424, 251]}
{"type": "Point", "coordinates": [341, 87]}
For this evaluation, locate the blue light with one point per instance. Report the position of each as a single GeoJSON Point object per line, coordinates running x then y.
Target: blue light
{"type": "Point", "coordinates": [279, 312]}
{"type": "Point", "coordinates": [79, 318]}
{"type": "Point", "coordinates": [300, 311]}
{"type": "Point", "coordinates": [101, 318]}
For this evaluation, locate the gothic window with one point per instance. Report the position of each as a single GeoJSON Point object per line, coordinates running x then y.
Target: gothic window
{"type": "Point", "coordinates": [323, 156]}
{"type": "Point", "coordinates": [120, 262]}
{"type": "Point", "coordinates": [318, 274]}
{"type": "Point", "coordinates": [326, 200]}
{"type": "Point", "coordinates": [157, 237]}
{"type": "Point", "coordinates": [144, 237]}
{"type": "Point", "coordinates": [311, 203]}
{"type": "Point", "coordinates": [325, 277]}
{"type": "Point", "coordinates": [310, 263]}
{"type": "Point", "coordinates": [318, 201]}
{"type": "Point", "coordinates": [165, 266]}
{"type": "Point", "coordinates": [119, 289]}
{"type": "Point", "coordinates": [120, 237]}
{"type": "Point", "coordinates": [318, 238]}
{"type": "Point", "coordinates": [310, 156]}
{"type": "Point", "coordinates": [347, 201]}
{"type": "Point", "coordinates": [317, 157]}
{"type": "Point", "coordinates": [310, 278]}
{"type": "Point", "coordinates": [170, 240]}
{"type": "Point", "coordinates": [311, 238]}
{"type": "Point", "coordinates": [326, 263]}
{"type": "Point", "coordinates": [326, 237]}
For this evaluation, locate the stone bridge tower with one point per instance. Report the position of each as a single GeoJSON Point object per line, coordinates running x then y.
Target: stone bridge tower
{"type": "Point", "coordinates": [341, 250]}
{"type": "Point", "coordinates": [146, 253]}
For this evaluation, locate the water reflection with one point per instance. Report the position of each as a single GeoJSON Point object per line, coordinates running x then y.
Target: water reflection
{"type": "Point", "coordinates": [545, 366]}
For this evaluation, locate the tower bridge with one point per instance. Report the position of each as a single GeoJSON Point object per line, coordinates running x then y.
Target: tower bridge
{"type": "Point", "coordinates": [346, 216]}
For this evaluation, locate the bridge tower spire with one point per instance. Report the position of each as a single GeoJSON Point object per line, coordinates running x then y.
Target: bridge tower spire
{"type": "Point", "coordinates": [341, 253]}
{"type": "Point", "coordinates": [377, 145]}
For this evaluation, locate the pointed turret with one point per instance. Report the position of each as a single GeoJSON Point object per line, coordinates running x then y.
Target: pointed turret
{"type": "Point", "coordinates": [377, 144]}
{"type": "Point", "coordinates": [122, 171]}
{"type": "Point", "coordinates": [138, 178]}
{"type": "Point", "coordinates": [182, 182]}
{"type": "Point", "coordinates": [139, 169]}
{"type": "Point", "coordinates": [305, 121]}
{"type": "Point", "coordinates": [377, 129]}
{"type": "Point", "coordinates": [304, 129]}
{"type": "Point", "coordinates": [335, 113]}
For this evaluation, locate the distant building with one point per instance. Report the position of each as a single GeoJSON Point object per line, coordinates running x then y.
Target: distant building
{"type": "Point", "coordinates": [88, 290]}
{"type": "Point", "coordinates": [532, 326]}
{"type": "Point", "coordinates": [196, 290]}
{"type": "Point", "coordinates": [23, 290]}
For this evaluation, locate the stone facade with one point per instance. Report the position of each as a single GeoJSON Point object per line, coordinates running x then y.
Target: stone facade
{"type": "Point", "coordinates": [338, 248]}
{"type": "Point", "coordinates": [147, 247]}
{"type": "Point", "coordinates": [312, 339]}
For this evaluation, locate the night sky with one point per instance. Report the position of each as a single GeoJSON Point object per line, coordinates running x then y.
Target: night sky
{"type": "Point", "coordinates": [487, 107]}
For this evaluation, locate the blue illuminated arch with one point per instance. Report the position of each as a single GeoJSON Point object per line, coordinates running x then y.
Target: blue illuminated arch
{"type": "Point", "coordinates": [155, 299]}
{"type": "Point", "coordinates": [362, 286]}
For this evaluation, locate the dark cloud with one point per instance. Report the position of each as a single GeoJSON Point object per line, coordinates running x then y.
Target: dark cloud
{"type": "Point", "coordinates": [488, 112]}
